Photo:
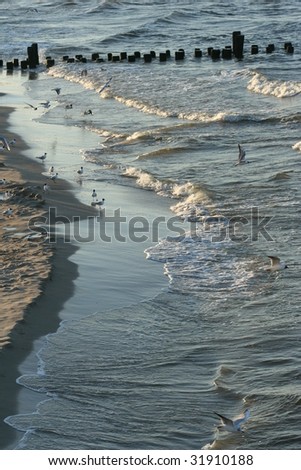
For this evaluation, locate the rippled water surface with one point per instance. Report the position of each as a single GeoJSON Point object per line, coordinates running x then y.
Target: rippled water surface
{"type": "Point", "coordinates": [225, 334]}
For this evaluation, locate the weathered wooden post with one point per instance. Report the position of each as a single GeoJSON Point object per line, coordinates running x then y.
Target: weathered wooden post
{"type": "Point", "coordinates": [238, 44]}
{"type": "Point", "coordinates": [147, 58]}
{"type": "Point", "coordinates": [33, 55]}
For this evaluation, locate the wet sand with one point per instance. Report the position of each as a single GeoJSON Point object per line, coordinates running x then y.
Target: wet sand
{"type": "Point", "coordinates": [36, 276]}
{"type": "Point", "coordinates": [61, 272]}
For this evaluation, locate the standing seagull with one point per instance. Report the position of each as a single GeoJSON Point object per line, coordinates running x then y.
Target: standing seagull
{"type": "Point", "coordinates": [241, 156]}
{"type": "Point", "coordinates": [235, 424]}
{"type": "Point", "coordinates": [53, 177]}
{"type": "Point", "coordinates": [8, 212]}
{"type": "Point", "coordinates": [99, 203]}
{"type": "Point", "coordinates": [42, 157]}
{"type": "Point", "coordinates": [80, 171]}
{"type": "Point", "coordinates": [51, 170]}
{"type": "Point", "coordinates": [94, 195]}
{"type": "Point", "coordinates": [276, 264]}
{"type": "Point", "coordinates": [45, 188]}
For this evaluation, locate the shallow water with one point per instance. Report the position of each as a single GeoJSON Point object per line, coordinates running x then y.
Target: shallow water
{"type": "Point", "coordinates": [225, 333]}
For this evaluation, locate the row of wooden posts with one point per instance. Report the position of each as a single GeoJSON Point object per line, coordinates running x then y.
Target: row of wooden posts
{"type": "Point", "coordinates": [228, 52]}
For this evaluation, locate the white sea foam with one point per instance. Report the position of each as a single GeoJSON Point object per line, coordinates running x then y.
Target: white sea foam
{"type": "Point", "coordinates": [297, 146]}
{"type": "Point", "coordinates": [278, 88]}
{"type": "Point", "coordinates": [197, 261]}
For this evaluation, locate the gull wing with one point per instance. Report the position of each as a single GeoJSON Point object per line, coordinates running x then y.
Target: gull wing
{"type": "Point", "coordinates": [242, 154]}
{"type": "Point", "coordinates": [242, 418]}
{"type": "Point", "coordinates": [274, 260]}
{"type": "Point", "coordinates": [225, 421]}
{"type": "Point", "coordinates": [33, 107]}
{"type": "Point", "coordinates": [105, 85]}
{"type": "Point", "coordinates": [4, 142]}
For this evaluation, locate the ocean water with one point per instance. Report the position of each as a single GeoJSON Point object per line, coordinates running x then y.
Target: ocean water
{"type": "Point", "coordinates": [224, 334]}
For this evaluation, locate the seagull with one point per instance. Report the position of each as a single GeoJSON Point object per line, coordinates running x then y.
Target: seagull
{"type": "Point", "coordinates": [45, 188]}
{"type": "Point", "coordinates": [33, 107]}
{"type": "Point", "coordinates": [5, 143]}
{"type": "Point", "coordinates": [99, 203]}
{"type": "Point", "coordinates": [8, 212]}
{"type": "Point", "coordinates": [42, 157]}
{"type": "Point", "coordinates": [53, 177]}
{"type": "Point", "coordinates": [68, 106]}
{"type": "Point", "coordinates": [88, 112]}
{"type": "Point", "coordinates": [235, 424]}
{"type": "Point", "coordinates": [7, 195]}
{"type": "Point", "coordinates": [94, 195]}
{"type": "Point", "coordinates": [12, 142]}
{"type": "Point", "coordinates": [3, 181]}
{"type": "Point", "coordinates": [241, 156]}
{"type": "Point", "coordinates": [107, 84]}
{"type": "Point", "coordinates": [45, 104]}
{"type": "Point", "coordinates": [58, 90]}
{"type": "Point", "coordinates": [80, 171]}
{"type": "Point", "coordinates": [276, 264]}
{"type": "Point", "coordinates": [51, 170]}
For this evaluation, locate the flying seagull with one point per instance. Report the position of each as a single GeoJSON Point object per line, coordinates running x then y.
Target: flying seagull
{"type": "Point", "coordinates": [241, 156]}
{"type": "Point", "coordinates": [235, 424]}
{"type": "Point", "coordinates": [45, 104]}
{"type": "Point", "coordinates": [276, 264]}
{"type": "Point", "coordinates": [107, 84]}
{"type": "Point", "coordinates": [58, 90]}
{"type": "Point", "coordinates": [33, 107]}
{"type": "Point", "coordinates": [5, 143]}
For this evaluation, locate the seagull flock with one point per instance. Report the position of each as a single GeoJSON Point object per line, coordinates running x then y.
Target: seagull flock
{"type": "Point", "coordinates": [52, 175]}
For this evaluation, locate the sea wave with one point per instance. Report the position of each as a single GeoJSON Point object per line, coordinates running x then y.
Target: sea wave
{"type": "Point", "coordinates": [297, 146]}
{"type": "Point", "coordinates": [201, 260]}
{"type": "Point", "coordinates": [278, 88]}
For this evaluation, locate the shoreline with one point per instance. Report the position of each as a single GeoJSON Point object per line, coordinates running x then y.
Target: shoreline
{"type": "Point", "coordinates": [35, 316]}
{"type": "Point", "coordinates": [130, 277]}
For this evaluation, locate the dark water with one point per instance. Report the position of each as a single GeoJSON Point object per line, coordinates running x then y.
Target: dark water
{"type": "Point", "coordinates": [225, 335]}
